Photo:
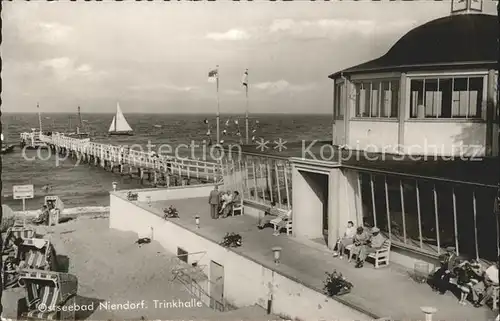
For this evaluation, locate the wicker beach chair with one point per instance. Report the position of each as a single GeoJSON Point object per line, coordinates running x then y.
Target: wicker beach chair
{"type": "Point", "coordinates": [47, 295]}
{"type": "Point", "coordinates": [32, 254]}
{"type": "Point", "coordinates": [13, 233]}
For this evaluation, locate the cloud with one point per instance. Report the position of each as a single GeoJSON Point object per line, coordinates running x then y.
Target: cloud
{"type": "Point", "coordinates": [53, 33]}
{"type": "Point", "coordinates": [231, 35]}
{"type": "Point", "coordinates": [281, 86]}
{"type": "Point", "coordinates": [64, 68]}
{"type": "Point", "coordinates": [334, 28]}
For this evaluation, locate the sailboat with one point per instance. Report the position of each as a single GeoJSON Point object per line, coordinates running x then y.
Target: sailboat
{"type": "Point", "coordinates": [119, 125]}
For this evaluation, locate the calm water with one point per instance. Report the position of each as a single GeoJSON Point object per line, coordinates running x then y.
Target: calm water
{"type": "Point", "coordinates": [86, 185]}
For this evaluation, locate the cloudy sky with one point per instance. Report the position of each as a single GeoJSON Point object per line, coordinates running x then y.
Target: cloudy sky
{"type": "Point", "coordinates": [154, 57]}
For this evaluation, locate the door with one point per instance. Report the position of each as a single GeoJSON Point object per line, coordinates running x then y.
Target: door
{"type": "Point", "coordinates": [216, 286]}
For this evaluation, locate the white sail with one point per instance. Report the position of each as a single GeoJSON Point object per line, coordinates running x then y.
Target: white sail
{"type": "Point", "coordinates": [121, 123]}
{"type": "Point", "coordinates": [112, 127]}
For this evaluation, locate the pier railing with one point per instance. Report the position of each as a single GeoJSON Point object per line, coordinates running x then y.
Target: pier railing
{"type": "Point", "coordinates": [186, 167]}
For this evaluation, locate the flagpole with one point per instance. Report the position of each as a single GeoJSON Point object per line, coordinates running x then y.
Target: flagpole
{"type": "Point", "coordinates": [218, 108]}
{"type": "Point", "coordinates": [246, 113]}
{"type": "Point", "coordinates": [39, 117]}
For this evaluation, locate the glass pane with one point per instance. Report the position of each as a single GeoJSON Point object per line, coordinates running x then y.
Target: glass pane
{"type": "Point", "coordinates": [386, 99]}
{"type": "Point", "coordinates": [416, 97]}
{"type": "Point", "coordinates": [446, 219]}
{"type": "Point", "coordinates": [486, 223]}
{"type": "Point", "coordinates": [427, 214]}
{"type": "Point", "coordinates": [460, 104]}
{"type": "Point", "coordinates": [475, 96]}
{"type": "Point", "coordinates": [445, 87]}
{"type": "Point", "coordinates": [375, 99]}
{"type": "Point", "coordinates": [380, 202]}
{"type": "Point", "coordinates": [366, 92]}
{"type": "Point", "coordinates": [359, 106]}
{"type": "Point", "coordinates": [366, 199]}
{"type": "Point", "coordinates": [432, 98]}
{"type": "Point", "coordinates": [395, 98]}
{"type": "Point", "coordinates": [411, 212]}
{"type": "Point", "coordinates": [395, 209]}
{"type": "Point", "coordinates": [465, 221]}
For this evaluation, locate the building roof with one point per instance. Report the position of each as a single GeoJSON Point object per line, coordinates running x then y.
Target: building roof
{"type": "Point", "coordinates": [463, 40]}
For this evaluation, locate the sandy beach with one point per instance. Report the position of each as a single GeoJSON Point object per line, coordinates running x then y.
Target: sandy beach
{"type": "Point", "coordinates": [118, 279]}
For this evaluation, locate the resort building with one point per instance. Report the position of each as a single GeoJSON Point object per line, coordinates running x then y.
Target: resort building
{"type": "Point", "coordinates": [432, 93]}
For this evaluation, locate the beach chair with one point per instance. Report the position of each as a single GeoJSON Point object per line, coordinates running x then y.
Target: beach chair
{"type": "Point", "coordinates": [32, 254]}
{"type": "Point", "coordinates": [13, 233]}
{"type": "Point", "coordinates": [49, 295]}
{"type": "Point", "coordinates": [58, 208]}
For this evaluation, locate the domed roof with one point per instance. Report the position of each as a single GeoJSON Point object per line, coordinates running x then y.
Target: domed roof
{"type": "Point", "coordinates": [466, 39]}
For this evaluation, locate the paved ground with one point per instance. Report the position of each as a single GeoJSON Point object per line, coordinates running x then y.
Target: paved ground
{"type": "Point", "coordinates": [385, 292]}
{"type": "Point", "coordinates": [111, 268]}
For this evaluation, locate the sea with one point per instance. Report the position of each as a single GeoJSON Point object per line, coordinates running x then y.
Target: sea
{"type": "Point", "coordinates": [80, 185]}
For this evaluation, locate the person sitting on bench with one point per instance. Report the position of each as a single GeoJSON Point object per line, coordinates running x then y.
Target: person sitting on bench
{"type": "Point", "coordinates": [483, 291]}
{"type": "Point", "coordinates": [235, 200]}
{"type": "Point", "coordinates": [269, 215]}
{"type": "Point", "coordinates": [440, 279]}
{"type": "Point", "coordinates": [347, 239]}
{"type": "Point", "coordinates": [374, 243]}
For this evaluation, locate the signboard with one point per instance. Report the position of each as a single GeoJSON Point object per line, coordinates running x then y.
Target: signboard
{"type": "Point", "coordinates": [23, 191]}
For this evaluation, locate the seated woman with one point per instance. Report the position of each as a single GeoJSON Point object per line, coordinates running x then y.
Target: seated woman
{"type": "Point", "coordinates": [361, 238]}
{"type": "Point", "coordinates": [226, 198]}
{"type": "Point", "coordinates": [234, 201]}
{"type": "Point", "coordinates": [483, 291]}
{"type": "Point", "coordinates": [466, 278]}
{"type": "Point", "coordinates": [43, 217]}
{"type": "Point", "coordinates": [345, 240]}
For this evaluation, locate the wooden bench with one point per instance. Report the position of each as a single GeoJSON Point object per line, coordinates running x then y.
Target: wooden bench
{"type": "Point", "coordinates": [380, 256]}
{"type": "Point", "coordinates": [282, 221]}
{"type": "Point", "coordinates": [238, 208]}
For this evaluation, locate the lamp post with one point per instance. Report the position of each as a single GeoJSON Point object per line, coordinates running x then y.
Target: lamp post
{"type": "Point", "coordinates": [428, 311]}
{"type": "Point", "coordinates": [277, 254]}
{"type": "Point", "coordinates": [115, 184]}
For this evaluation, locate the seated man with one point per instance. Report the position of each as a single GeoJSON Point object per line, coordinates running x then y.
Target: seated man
{"type": "Point", "coordinates": [269, 215]}
{"type": "Point", "coordinates": [440, 279]}
{"type": "Point", "coordinates": [361, 239]}
{"type": "Point", "coordinates": [347, 239]}
{"type": "Point", "coordinates": [483, 291]}
{"type": "Point", "coordinates": [43, 217]}
{"type": "Point", "coordinates": [235, 200]}
{"type": "Point", "coordinates": [375, 242]}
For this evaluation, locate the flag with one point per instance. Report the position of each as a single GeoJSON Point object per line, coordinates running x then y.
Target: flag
{"type": "Point", "coordinates": [213, 74]}
{"type": "Point", "coordinates": [244, 80]}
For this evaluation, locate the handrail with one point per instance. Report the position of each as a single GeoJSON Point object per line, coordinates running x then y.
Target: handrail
{"type": "Point", "coordinates": [134, 157]}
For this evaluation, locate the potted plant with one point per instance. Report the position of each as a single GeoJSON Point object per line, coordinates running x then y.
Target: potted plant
{"type": "Point", "coordinates": [231, 240]}
{"type": "Point", "coordinates": [336, 284]}
{"type": "Point", "coordinates": [170, 212]}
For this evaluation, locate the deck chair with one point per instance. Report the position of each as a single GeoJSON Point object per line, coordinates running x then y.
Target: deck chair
{"type": "Point", "coordinates": [53, 290]}
{"type": "Point", "coordinates": [14, 233]}
{"type": "Point", "coordinates": [32, 254]}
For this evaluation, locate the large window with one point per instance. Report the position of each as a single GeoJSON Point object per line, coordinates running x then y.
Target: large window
{"type": "Point", "coordinates": [377, 98]}
{"type": "Point", "coordinates": [263, 180]}
{"type": "Point", "coordinates": [339, 101]}
{"type": "Point", "coordinates": [447, 97]}
{"type": "Point", "coordinates": [431, 216]}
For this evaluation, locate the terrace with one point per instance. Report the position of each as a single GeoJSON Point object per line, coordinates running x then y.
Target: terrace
{"type": "Point", "coordinates": [303, 261]}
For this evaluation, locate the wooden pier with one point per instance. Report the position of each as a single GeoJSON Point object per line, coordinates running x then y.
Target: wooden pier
{"type": "Point", "coordinates": [163, 170]}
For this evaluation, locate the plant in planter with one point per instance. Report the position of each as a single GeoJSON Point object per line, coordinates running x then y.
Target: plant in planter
{"type": "Point", "coordinates": [336, 284]}
{"type": "Point", "coordinates": [170, 212]}
{"type": "Point", "coordinates": [231, 240]}
{"type": "Point", "coordinates": [132, 196]}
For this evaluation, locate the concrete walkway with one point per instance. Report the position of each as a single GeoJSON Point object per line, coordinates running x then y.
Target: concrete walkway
{"type": "Point", "coordinates": [385, 292]}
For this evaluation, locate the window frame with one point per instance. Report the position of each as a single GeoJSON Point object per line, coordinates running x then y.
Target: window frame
{"type": "Point", "coordinates": [447, 75]}
{"type": "Point", "coordinates": [370, 81]}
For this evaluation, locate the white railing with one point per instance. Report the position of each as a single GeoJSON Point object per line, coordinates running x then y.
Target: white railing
{"type": "Point", "coordinates": [192, 168]}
